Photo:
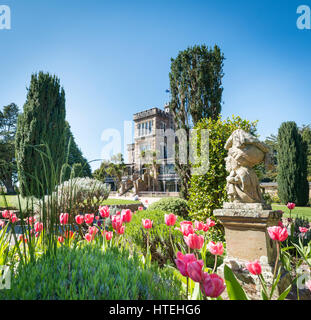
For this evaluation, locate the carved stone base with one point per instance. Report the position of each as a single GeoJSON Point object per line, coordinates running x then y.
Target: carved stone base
{"type": "Point", "coordinates": [247, 240]}
{"type": "Point", "coordinates": [251, 283]}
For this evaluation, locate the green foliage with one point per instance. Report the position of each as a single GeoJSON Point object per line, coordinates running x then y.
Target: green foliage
{"type": "Point", "coordinates": [162, 249]}
{"type": "Point", "coordinates": [306, 136]}
{"type": "Point", "coordinates": [42, 122]}
{"type": "Point", "coordinates": [208, 191]}
{"type": "Point", "coordinates": [234, 289]}
{"type": "Point", "coordinates": [115, 168]}
{"type": "Point", "coordinates": [76, 161]}
{"type": "Point", "coordinates": [8, 123]}
{"type": "Point", "coordinates": [177, 206]}
{"type": "Point", "coordinates": [89, 273]}
{"type": "Point", "coordinates": [292, 165]}
{"type": "Point", "coordinates": [196, 93]}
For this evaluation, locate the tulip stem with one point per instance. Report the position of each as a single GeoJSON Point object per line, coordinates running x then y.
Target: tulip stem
{"type": "Point", "coordinates": [187, 287]}
{"type": "Point", "coordinates": [215, 264]}
{"type": "Point", "coordinates": [277, 259]}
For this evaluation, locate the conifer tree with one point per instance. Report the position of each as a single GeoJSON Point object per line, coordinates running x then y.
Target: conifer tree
{"type": "Point", "coordinates": [42, 122]}
{"type": "Point", "coordinates": [292, 165]}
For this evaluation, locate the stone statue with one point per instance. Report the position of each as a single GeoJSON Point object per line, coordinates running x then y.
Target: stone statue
{"type": "Point", "coordinates": [244, 152]}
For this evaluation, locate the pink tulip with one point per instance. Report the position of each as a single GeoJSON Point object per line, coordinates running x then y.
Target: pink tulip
{"type": "Point", "coordinates": [2, 223]}
{"type": "Point", "coordinates": [195, 270]}
{"type": "Point", "coordinates": [140, 208]}
{"type": "Point", "coordinates": [308, 284]}
{"type": "Point", "coordinates": [64, 218]}
{"type": "Point", "coordinates": [205, 227]}
{"type": "Point", "coordinates": [6, 214]}
{"type": "Point", "coordinates": [280, 224]}
{"type": "Point", "coordinates": [38, 226]}
{"type": "Point", "coordinates": [216, 248]}
{"type": "Point", "coordinates": [89, 218]}
{"type": "Point", "coordinates": [147, 223]}
{"type": "Point", "coordinates": [118, 213]}
{"type": "Point", "coordinates": [88, 237]}
{"type": "Point", "coordinates": [198, 225]}
{"type": "Point", "coordinates": [303, 229]}
{"type": "Point", "coordinates": [121, 230]}
{"type": "Point", "coordinates": [61, 239]}
{"type": "Point", "coordinates": [30, 220]}
{"type": "Point", "coordinates": [126, 215]}
{"type": "Point", "coordinates": [170, 219]}
{"type": "Point", "coordinates": [182, 262]}
{"type": "Point", "coordinates": [291, 206]}
{"type": "Point", "coordinates": [210, 223]}
{"type": "Point", "coordinates": [278, 233]}
{"type": "Point", "coordinates": [254, 267]}
{"type": "Point", "coordinates": [79, 219]}
{"type": "Point", "coordinates": [116, 222]}
{"type": "Point", "coordinates": [104, 211]}
{"type": "Point", "coordinates": [194, 241]}
{"type": "Point", "coordinates": [212, 285]}
{"type": "Point", "coordinates": [109, 235]}
{"type": "Point", "coordinates": [186, 228]}
{"type": "Point", "coordinates": [13, 217]}
{"type": "Point", "coordinates": [93, 231]}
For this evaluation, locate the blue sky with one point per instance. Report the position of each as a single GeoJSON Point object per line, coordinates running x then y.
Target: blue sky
{"type": "Point", "coordinates": [113, 58]}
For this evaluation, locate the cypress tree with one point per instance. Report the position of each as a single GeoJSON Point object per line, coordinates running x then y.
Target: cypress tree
{"type": "Point", "coordinates": [75, 159]}
{"type": "Point", "coordinates": [42, 124]}
{"type": "Point", "coordinates": [292, 165]}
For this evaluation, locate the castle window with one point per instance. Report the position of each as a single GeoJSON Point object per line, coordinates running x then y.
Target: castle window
{"type": "Point", "coordinates": [150, 127]}
{"type": "Point", "coordinates": [139, 133]}
{"type": "Point", "coordinates": [143, 129]}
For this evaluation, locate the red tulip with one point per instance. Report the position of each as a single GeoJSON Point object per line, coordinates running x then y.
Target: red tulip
{"type": "Point", "coordinates": [291, 206]}
{"type": "Point", "coordinates": [216, 248]}
{"type": "Point", "coordinates": [210, 223]}
{"type": "Point", "coordinates": [212, 285]}
{"type": "Point", "coordinates": [30, 220]}
{"type": "Point", "coordinates": [186, 228]}
{"type": "Point", "coordinates": [93, 231]}
{"type": "Point", "coordinates": [303, 229]}
{"type": "Point", "coordinates": [121, 230]}
{"type": "Point", "coordinates": [89, 218]}
{"type": "Point", "coordinates": [22, 238]}
{"type": "Point", "coordinates": [104, 211]}
{"type": "Point", "coordinates": [278, 233]}
{"type": "Point", "coordinates": [254, 267]}
{"type": "Point", "coordinates": [38, 226]}
{"type": "Point", "coordinates": [194, 241]}
{"type": "Point", "coordinates": [182, 262]}
{"type": "Point", "coordinates": [140, 208]}
{"type": "Point", "coordinates": [64, 218]}
{"type": "Point", "coordinates": [147, 223]}
{"type": "Point", "coordinates": [79, 219]}
{"type": "Point", "coordinates": [88, 237]}
{"type": "Point", "coordinates": [116, 222]}
{"type": "Point", "coordinates": [61, 239]}
{"type": "Point", "coordinates": [13, 217]}
{"type": "Point", "coordinates": [198, 225]}
{"type": "Point", "coordinates": [170, 219]}
{"type": "Point", "coordinates": [280, 224]}
{"type": "Point", "coordinates": [126, 215]}
{"type": "Point", "coordinates": [6, 214]}
{"type": "Point", "coordinates": [195, 270]}
{"type": "Point", "coordinates": [109, 235]}
{"type": "Point", "coordinates": [205, 227]}
{"type": "Point", "coordinates": [70, 234]}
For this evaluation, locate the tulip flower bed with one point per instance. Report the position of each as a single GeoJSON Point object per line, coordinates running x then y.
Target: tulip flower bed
{"type": "Point", "coordinates": [161, 247]}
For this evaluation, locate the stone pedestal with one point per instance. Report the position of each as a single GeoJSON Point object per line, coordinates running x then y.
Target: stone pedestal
{"type": "Point", "coordinates": [247, 240]}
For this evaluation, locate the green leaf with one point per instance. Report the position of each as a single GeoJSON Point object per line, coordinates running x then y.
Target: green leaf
{"type": "Point", "coordinates": [264, 296]}
{"type": "Point", "coordinates": [285, 293]}
{"type": "Point", "coordinates": [234, 289]}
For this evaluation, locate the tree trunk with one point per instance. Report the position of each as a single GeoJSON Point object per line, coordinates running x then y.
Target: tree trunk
{"type": "Point", "coordinates": [9, 186]}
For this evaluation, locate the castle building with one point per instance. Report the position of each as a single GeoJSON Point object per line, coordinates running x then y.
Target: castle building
{"type": "Point", "coordinates": [153, 149]}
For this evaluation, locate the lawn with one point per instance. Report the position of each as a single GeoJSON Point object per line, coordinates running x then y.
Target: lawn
{"type": "Point", "coordinates": [12, 202]}
{"type": "Point", "coordinates": [298, 211]}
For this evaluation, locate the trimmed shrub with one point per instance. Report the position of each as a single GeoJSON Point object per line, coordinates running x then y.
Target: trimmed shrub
{"type": "Point", "coordinates": [208, 190]}
{"type": "Point", "coordinates": [161, 247]}
{"type": "Point", "coordinates": [177, 206]}
{"type": "Point", "coordinates": [89, 273]}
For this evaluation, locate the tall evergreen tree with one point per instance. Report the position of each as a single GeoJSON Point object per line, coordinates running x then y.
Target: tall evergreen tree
{"type": "Point", "coordinates": [292, 165]}
{"type": "Point", "coordinates": [75, 157]}
{"type": "Point", "coordinates": [196, 93]}
{"type": "Point", "coordinates": [306, 136]}
{"type": "Point", "coordinates": [8, 171]}
{"type": "Point", "coordinates": [42, 122]}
